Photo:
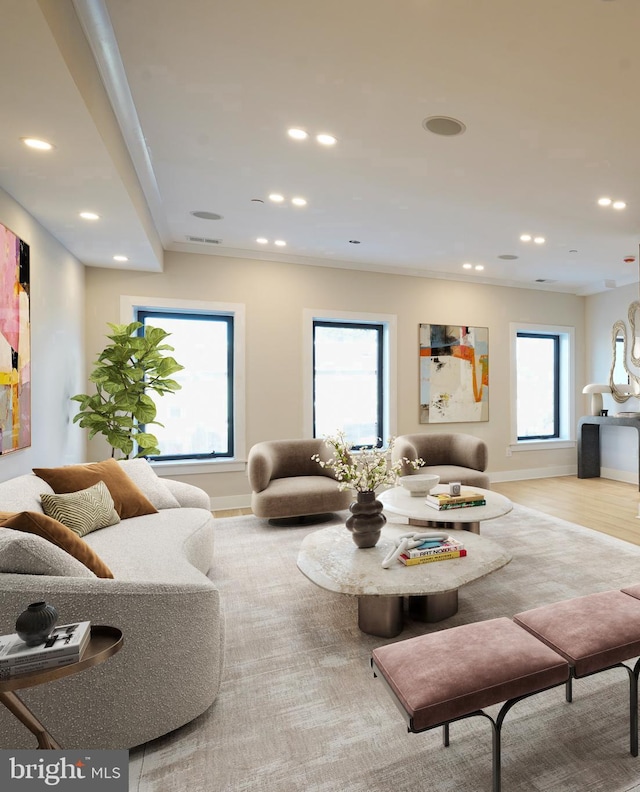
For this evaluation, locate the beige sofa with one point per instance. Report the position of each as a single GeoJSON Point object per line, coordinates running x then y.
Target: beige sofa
{"type": "Point", "coordinates": [454, 456]}
{"type": "Point", "coordinates": [169, 669]}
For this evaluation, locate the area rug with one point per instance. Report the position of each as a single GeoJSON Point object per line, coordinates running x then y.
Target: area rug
{"type": "Point", "coordinates": [299, 709]}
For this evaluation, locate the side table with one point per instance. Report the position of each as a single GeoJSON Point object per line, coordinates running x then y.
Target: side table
{"type": "Point", "coordinates": [104, 642]}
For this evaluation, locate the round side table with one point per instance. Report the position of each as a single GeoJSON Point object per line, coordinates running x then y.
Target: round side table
{"type": "Point", "coordinates": [104, 642]}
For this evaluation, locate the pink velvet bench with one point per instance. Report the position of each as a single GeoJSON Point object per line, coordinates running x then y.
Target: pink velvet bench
{"type": "Point", "coordinates": [594, 633]}
{"type": "Point", "coordinates": [446, 676]}
{"type": "Point", "coordinates": [443, 677]}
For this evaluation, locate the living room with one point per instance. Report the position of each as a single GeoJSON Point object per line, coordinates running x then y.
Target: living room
{"type": "Point", "coordinates": [76, 290]}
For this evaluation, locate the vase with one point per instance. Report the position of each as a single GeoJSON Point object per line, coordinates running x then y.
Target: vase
{"type": "Point", "coordinates": [366, 519]}
{"type": "Point", "coordinates": [34, 625]}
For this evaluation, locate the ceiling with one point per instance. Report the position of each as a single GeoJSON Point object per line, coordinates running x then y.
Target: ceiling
{"type": "Point", "coordinates": [158, 109]}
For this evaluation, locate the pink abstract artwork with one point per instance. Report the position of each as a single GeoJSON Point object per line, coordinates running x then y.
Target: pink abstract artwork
{"type": "Point", "coordinates": [15, 343]}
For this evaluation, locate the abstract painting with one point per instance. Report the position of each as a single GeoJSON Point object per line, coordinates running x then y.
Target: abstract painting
{"type": "Point", "coordinates": [15, 343]}
{"type": "Point", "coordinates": [454, 373]}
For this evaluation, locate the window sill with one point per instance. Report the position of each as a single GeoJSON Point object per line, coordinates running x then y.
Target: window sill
{"type": "Point", "coordinates": [541, 445]}
{"type": "Point", "coordinates": [196, 467]}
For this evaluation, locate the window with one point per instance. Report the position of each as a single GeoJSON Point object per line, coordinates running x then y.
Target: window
{"type": "Point", "coordinates": [198, 420]}
{"type": "Point", "coordinates": [542, 387]}
{"type": "Point", "coordinates": [348, 377]}
{"type": "Point", "coordinates": [538, 372]}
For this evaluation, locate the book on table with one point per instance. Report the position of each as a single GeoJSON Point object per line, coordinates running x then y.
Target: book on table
{"type": "Point", "coordinates": [404, 558]}
{"type": "Point", "coordinates": [66, 644]}
{"type": "Point", "coordinates": [442, 500]}
{"type": "Point", "coordinates": [435, 547]}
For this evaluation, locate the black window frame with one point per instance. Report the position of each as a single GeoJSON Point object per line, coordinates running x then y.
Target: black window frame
{"type": "Point", "coordinates": [143, 314]}
{"type": "Point", "coordinates": [555, 337]}
{"type": "Point", "coordinates": [379, 327]}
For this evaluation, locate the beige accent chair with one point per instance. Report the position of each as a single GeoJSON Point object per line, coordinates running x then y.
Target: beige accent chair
{"type": "Point", "coordinates": [452, 456]}
{"type": "Point", "coordinates": [287, 483]}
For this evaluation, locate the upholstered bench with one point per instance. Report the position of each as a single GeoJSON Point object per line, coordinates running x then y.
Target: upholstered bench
{"type": "Point", "coordinates": [594, 633]}
{"type": "Point", "coordinates": [446, 676]}
{"type": "Point", "coordinates": [442, 677]}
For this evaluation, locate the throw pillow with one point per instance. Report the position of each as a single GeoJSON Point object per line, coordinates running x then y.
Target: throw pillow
{"type": "Point", "coordinates": [129, 501]}
{"type": "Point", "coordinates": [151, 485]}
{"type": "Point", "coordinates": [83, 511]}
{"type": "Point", "coordinates": [57, 533]}
{"type": "Point", "coordinates": [28, 554]}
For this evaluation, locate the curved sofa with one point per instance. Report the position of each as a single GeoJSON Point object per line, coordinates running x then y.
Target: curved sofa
{"type": "Point", "coordinates": [169, 668]}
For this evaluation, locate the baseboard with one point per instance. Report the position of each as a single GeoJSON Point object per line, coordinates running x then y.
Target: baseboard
{"type": "Point", "coordinates": [230, 502]}
{"type": "Point", "coordinates": [619, 475]}
{"type": "Point", "coordinates": [534, 473]}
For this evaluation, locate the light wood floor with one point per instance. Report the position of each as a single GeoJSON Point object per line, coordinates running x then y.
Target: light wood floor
{"type": "Point", "coordinates": [601, 504]}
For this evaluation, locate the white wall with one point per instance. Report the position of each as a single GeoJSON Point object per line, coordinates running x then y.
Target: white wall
{"type": "Point", "coordinates": [618, 445]}
{"type": "Point", "coordinates": [276, 295]}
{"type": "Point", "coordinates": [57, 347]}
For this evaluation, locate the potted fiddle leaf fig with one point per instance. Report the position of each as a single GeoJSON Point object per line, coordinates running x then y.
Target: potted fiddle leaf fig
{"type": "Point", "coordinates": [125, 373]}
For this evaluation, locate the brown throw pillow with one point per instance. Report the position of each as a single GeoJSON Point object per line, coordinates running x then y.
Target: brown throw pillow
{"type": "Point", "coordinates": [129, 500]}
{"type": "Point", "coordinates": [59, 535]}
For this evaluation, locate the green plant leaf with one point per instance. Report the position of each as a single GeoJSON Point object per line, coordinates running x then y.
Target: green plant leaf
{"type": "Point", "coordinates": [124, 374]}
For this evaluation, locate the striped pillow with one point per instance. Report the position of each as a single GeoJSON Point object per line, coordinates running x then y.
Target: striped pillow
{"type": "Point", "coordinates": [83, 511]}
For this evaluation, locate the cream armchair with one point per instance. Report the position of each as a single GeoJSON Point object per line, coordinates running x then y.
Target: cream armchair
{"type": "Point", "coordinates": [287, 483]}
{"type": "Point", "coordinates": [452, 456]}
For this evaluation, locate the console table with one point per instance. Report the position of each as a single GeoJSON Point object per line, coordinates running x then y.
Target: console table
{"type": "Point", "coordinates": [589, 442]}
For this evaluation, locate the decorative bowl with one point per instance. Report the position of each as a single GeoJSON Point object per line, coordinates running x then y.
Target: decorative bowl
{"type": "Point", "coordinates": [420, 484]}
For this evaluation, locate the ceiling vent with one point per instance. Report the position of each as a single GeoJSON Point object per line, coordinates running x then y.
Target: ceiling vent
{"type": "Point", "coordinates": [545, 280]}
{"type": "Point", "coordinates": [204, 240]}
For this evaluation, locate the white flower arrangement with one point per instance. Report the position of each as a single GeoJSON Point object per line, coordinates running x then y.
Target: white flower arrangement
{"type": "Point", "coordinates": [363, 470]}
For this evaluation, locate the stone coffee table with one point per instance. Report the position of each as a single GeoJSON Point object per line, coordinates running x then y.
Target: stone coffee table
{"type": "Point", "coordinates": [331, 560]}
{"type": "Point", "coordinates": [397, 500]}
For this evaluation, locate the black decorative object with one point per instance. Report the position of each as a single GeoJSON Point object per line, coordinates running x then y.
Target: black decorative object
{"type": "Point", "coordinates": [366, 519]}
{"type": "Point", "coordinates": [34, 625]}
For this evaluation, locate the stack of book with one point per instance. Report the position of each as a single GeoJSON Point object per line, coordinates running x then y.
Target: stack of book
{"type": "Point", "coordinates": [433, 550]}
{"type": "Point", "coordinates": [442, 500]}
{"type": "Point", "coordinates": [64, 646]}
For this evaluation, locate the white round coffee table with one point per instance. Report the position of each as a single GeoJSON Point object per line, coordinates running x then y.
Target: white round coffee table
{"type": "Point", "coordinates": [397, 500]}
{"type": "Point", "coordinates": [331, 560]}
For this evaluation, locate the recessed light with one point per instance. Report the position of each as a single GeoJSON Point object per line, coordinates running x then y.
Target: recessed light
{"type": "Point", "coordinates": [120, 258]}
{"type": "Point", "coordinates": [207, 215]}
{"type": "Point", "coordinates": [297, 134]}
{"type": "Point", "coordinates": [479, 267]}
{"type": "Point", "coordinates": [262, 240]}
{"type": "Point", "coordinates": [326, 140]}
{"type": "Point", "coordinates": [467, 266]}
{"type": "Point", "coordinates": [539, 240]}
{"type": "Point", "coordinates": [444, 125]}
{"type": "Point", "coordinates": [508, 257]}
{"type": "Point", "coordinates": [276, 197]}
{"type": "Point", "coordinates": [525, 237]}
{"type": "Point", "coordinates": [298, 202]}
{"type": "Point", "coordinates": [89, 216]}
{"type": "Point", "coordinates": [604, 201]}
{"type": "Point", "coordinates": [280, 243]}
{"type": "Point", "coordinates": [619, 205]}
{"type": "Point", "coordinates": [36, 143]}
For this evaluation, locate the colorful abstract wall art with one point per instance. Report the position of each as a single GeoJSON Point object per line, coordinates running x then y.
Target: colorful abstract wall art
{"type": "Point", "coordinates": [454, 373]}
{"type": "Point", "coordinates": [15, 343]}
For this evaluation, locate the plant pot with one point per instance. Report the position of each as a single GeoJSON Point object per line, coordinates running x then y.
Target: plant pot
{"type": "Point", "coordinates": [366, 520]}
{"type": "Point", "coordinates": [34, 625]}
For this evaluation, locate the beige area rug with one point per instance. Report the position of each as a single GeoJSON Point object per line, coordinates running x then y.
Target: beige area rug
{"type": "Point", "coordinates": [299, 710]}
